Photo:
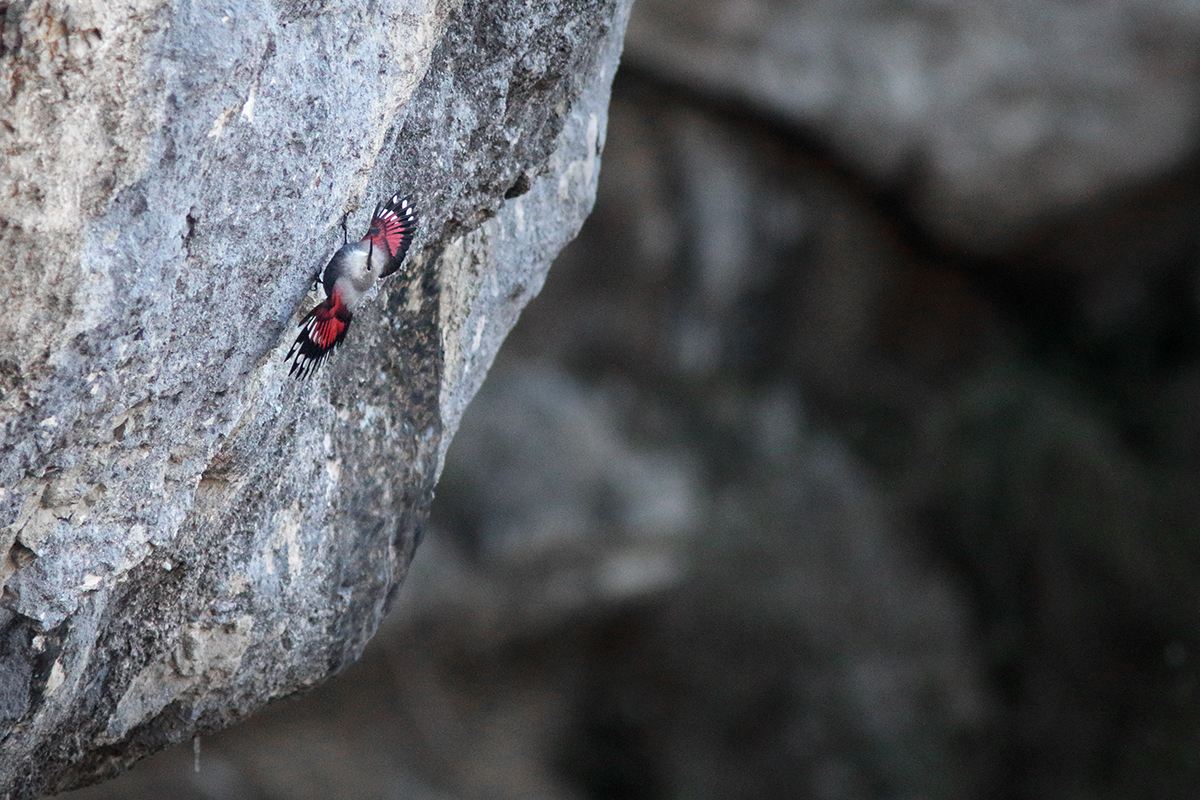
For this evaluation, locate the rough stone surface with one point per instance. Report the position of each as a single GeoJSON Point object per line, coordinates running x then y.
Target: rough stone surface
{"type": "Point", "coordinates": [990, 116]}
{"type": "Point", "coordinates": [772, 492]}
{"type": "Point", "coordinates": [190, 533]}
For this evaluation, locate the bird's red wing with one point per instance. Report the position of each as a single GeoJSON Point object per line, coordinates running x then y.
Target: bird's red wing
{"type": "Point", "coordinates": [321, 330]}
{"type": "Point", "coordinates": [392, 229]}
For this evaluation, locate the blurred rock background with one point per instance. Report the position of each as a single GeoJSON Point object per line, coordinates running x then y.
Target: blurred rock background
{"type": "Point", "coordinates": [851, 451]}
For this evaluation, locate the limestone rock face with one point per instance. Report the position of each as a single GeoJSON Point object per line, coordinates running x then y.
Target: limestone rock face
{"type": "Point", "coordinates": [189, 531]}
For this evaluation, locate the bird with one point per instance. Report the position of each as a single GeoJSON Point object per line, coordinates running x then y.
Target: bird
{"type": "Point", "coordinates": [348, 276]}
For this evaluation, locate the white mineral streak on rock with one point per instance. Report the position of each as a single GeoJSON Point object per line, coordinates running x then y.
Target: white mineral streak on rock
{"type": "Point", "coordinates": [203, 659]}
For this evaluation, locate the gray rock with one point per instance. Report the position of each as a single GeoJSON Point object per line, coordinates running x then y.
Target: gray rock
{"type": "Point", "coordinates": [784, 633]}
{"type": "Point", "coordinates": [989, 116]}
{"type": "Point", "coordinates": [635, 603]}
{"type": "Point", "coordinates": [1028, 470]}
{"type": "Point", "coordinates": [189, 531]}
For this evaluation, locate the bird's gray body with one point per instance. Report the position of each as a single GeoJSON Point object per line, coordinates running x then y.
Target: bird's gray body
{"type": "Point", "coordinates": [348, 277]}
{"type": "Point", "coordinates": [353, 270]}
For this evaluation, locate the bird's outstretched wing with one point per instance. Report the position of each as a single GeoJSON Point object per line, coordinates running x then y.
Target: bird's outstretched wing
{"type": "Point", "coordinates": [391, 231]}
{"type": "Point", "coordinates": [321, 330]}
